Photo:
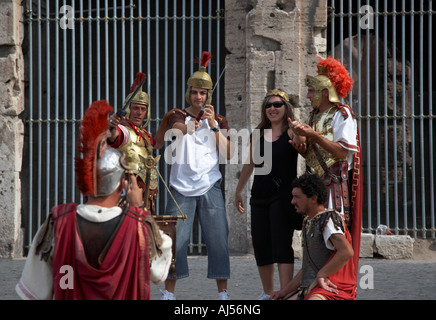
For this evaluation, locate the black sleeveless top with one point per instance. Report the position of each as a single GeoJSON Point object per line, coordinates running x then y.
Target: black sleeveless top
{"type": "Point", "coordinates": [283, 170]}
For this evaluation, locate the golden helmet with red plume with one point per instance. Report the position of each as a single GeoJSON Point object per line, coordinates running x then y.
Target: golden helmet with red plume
{"type": "Point", "coordinates": [333, 76]}
{"type": "Point", "coordinates": [200, 79]}
{"type": "Point", "coordinates": [141, 97]}
{"type": "Point", "coordinates": [99, 168]}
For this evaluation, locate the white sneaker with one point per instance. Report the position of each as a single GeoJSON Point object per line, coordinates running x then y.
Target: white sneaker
{"type": "Point", "coordinates": [166, 295]}
{"type": "Point", "coordinates": [223, 295]}
{"type": "Point", "coordinates": [264, 296]}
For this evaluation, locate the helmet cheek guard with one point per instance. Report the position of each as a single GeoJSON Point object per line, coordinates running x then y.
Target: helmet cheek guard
{"type": "Point", "coordinates": [320, 83]}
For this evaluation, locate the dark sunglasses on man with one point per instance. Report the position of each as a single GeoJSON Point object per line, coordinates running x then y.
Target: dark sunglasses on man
{"type": "Point", "coordinates": [276, 104]}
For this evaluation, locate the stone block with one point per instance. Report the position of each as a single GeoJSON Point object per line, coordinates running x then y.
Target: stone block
{"type": "Point", "coordinates": [367, 245]}
{"type": "Point", "coordinates": [394, 246]}
{"type": "Point", "coordinates": [296, 245]}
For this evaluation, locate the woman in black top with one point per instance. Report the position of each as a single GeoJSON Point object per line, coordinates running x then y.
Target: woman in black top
{"type": "Point", "coordinates": [273, 218]}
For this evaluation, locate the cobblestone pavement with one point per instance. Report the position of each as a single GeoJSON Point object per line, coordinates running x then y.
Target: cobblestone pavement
{"type": "Point", "coordinates": [379, 279]}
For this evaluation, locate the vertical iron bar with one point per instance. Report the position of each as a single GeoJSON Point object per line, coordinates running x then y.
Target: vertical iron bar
{"type": "Point", "coordinates": [131, 42]}
{"type": "Point", "coordinates": [115, 57]}
{"type": "Point", "coordinates": [30, 231]}
{"type": "Point", "coordinates": [149, 51]}
{"type": "Point", "coordinates": [106, 48]}
{"type": "Point", "coordinates": [430, 112]}
{"type": "Point", "coordinates": [182, 102]}
{"type": "Point", "coordinates": [123, 50]}
{"type": "Point", "coordinates": [368, 112]}
{"type": "Point", "coordinates": [140, 37]}
{"type": "Point", "coordinates": [218, 60]}
{"type": "Point", "coordinates": [350, 47]}
{"type": "Point", "coordinates": [148, 48]}
{"type": "Point", "coordinates": [39, 76]}
{"type": "Point", "coordinates": [394, 125]}
{"type": "Point", "coordinates": [191, 242]}
{"type": "Point", "coordinates": [97, 47]}
{"type": "Point", "coordinates": [48, 184]}
{"type": "Point", "coordinates": [175, 55]}
{"type": "Point", "coordinates": [65, 129]}
{"type": "Point", "coordinates": [359, 96]}
{"type": "Point", "coordinates": [421, 120]}
{"type": "Point", "coordinates": [73, 107]}
{"type": "Point", "coordinates": [82, 71]}
{"type": "Point", "coordinates": [56, 106]}
{"type": "Point", "coordinates": [403, 106]}
{"type": "Point", "coordinates": [377, 106]}
{"type": "Point", "coordinates": [166, 70]}
{"type": "Point", "coordinates": [386, 123]}
{"type": "Point", "coordinates": [412, 122]}
{"type": "Point", "coordinates": [90, 81]}
{"type": "Point", "coordinates": [157, 63]}
{"type": "Point", "coordinates": [341, 31]}
{"type": "Point", "coordinates": [332, 29]}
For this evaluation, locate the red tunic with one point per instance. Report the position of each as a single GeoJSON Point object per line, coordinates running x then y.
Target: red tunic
{"type": "Point", "coordinates": [124, 272]}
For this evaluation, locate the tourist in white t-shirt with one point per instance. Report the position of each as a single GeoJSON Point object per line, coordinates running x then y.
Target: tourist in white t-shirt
{"type": "Point", "coordinates": [195, 182]}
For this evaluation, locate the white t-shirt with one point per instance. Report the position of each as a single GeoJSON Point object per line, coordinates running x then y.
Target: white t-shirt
{"type": "Point", "coordinates": [195, 161]}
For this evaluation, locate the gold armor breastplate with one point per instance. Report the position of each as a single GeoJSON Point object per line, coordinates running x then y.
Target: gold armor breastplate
{"type": "Point", "coordinates": [322, 124]}
{"type": "Point", "coordinates": [136, 146]}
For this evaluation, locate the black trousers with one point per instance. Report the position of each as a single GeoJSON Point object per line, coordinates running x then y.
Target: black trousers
{"type": "Point", "coordinates": [272, 230]}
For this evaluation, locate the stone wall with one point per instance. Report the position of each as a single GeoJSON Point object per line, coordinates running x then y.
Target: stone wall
{"type": "Point", "coordinates": [11, 126]}
{"type": "Point", "coordinates": [270, 44]}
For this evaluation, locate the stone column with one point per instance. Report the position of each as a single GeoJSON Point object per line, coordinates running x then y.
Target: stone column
{"type": "Point", "coordinates": [270, 44]}
{"type": "Point", "coordinates": [11, 126]}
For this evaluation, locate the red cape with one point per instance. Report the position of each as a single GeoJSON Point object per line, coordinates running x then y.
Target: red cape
{"type": "Point", "coordinates": [124, 272]}
{"type": "Point", "coordinates": [356, 202]}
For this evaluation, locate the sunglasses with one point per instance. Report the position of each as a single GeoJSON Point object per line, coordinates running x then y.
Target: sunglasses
{"type": "Point", "coordinates": [276, 104]}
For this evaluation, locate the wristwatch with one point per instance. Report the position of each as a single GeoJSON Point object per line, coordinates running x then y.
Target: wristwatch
{"type": "Point", "coordinates": [215, 129]}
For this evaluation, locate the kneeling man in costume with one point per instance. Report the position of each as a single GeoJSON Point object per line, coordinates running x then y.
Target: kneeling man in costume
{"type": "Point", "coordinates": [328, 271]}
{"type": "Point", "coordinates": [95, 250]}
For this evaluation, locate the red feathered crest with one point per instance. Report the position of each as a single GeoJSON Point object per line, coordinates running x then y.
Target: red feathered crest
{"type": "Point", "coordinates": [205, 59]}
{"type": "Point", "coordinates": [94, 128]}
{"type": "Point", "coordinates": [337, 74]}
{"type": "Point", "coordinates": [139, 77]}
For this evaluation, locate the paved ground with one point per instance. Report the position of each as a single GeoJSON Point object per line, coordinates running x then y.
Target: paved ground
{"type": "Point", "coordinates": [379, 279]}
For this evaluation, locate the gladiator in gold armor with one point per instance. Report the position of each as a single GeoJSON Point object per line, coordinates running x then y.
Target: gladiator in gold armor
{"type": "Point", "coordinates": [333, 126]}
{"type": "Point", "coordinates": [332, 77]}
{"type": "Point", "coordinates": [137, 144]}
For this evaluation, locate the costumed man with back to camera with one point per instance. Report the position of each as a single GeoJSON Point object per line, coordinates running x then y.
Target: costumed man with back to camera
{"type": "Point", "coordinates": [332, 148]}
{"type": "Point", "coordinates": [195, 180]}
{"type": "Point", "coordinates": [95, 250]}
{"type": "Point", "coordinates": [137, 144]}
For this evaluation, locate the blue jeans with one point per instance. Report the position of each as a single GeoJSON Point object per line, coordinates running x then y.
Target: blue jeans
{"type": "Point", "coordinates": [211, 211]}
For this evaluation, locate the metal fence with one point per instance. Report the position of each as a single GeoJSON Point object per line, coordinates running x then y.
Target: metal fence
{"type": "Point", "coordinates": [81, 51]}
{"type": "Point", "coordinates": [387, 46]}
